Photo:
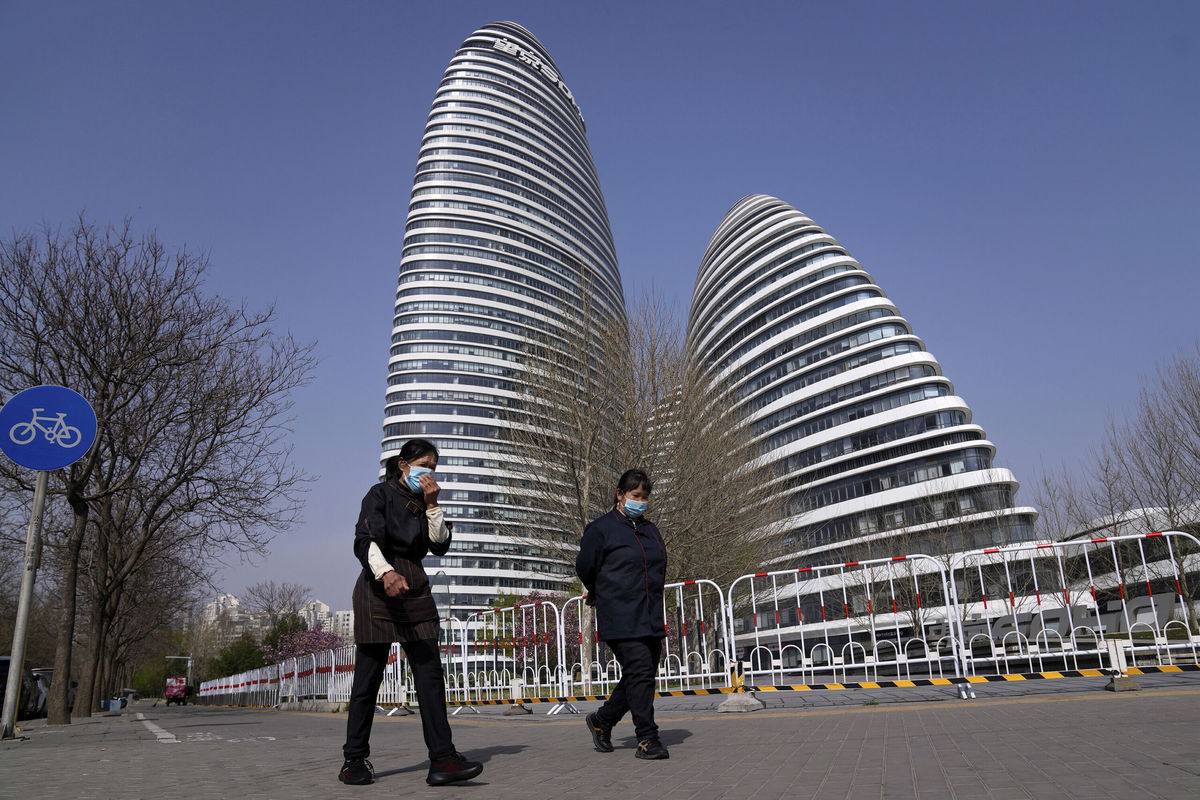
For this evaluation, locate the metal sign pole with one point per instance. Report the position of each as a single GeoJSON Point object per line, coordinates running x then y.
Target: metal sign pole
{"type": "Point", "coordinates": [16, 664]}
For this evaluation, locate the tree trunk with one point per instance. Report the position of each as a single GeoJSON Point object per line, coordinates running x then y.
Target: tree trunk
{"type": "Point", "coordinates": [89, 666]}
{"type": "Point", "coordinates": [89, 675]}
{"type": "Point", "coordinates": [57, 709]}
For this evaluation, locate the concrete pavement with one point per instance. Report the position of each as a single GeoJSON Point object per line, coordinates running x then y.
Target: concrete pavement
{"type": "Point", "coordinates": [1067, 744]}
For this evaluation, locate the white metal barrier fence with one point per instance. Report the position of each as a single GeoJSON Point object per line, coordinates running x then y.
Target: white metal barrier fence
{"type": "Point", "coordinates": [1118, 601]}
{"type": "Point", "coordinates": [696, 650]}
{"type": "Point", "coordinates": [1124, 603]}
{"type": "Point", "coordinates": [513, 653]}
{"type": "Point", "coordinates": [855, 621]}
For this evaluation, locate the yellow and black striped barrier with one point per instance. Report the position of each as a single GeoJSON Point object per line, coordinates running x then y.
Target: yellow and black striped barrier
{"type": "Point", "coordinates": [971, 679]}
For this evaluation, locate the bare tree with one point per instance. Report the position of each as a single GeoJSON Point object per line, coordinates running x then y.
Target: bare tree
{"type": "Point", "coordinates": [273, 601]}
{"type": "Point", "coordinates": [191, 398]}
{"type": "Point", "coordinates": [611, 394]}
{"type": "Point", "coordinates": [1146, 477]}
{"type": "Point", "coordinates": [565, 425]}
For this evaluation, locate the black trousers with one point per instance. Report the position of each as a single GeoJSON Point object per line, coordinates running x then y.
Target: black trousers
{"type": "Point", "coordinates": [635, 692]}
{"type": "Point", "coordinates": [370, 660]}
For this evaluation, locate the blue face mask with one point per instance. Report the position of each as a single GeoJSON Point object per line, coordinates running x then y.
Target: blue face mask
{"type": "Point", "coordinates": [635, 508]}
{"type": "Point", "coordinates": [413, 479]}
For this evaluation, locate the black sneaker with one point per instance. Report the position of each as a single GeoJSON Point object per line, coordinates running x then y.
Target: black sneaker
{"type": "Point", "coordinates": [357, 772]}
{"type": "Point", "coordinates": [454, 768]}
{"type": "Point", "coordinates": [652, 750]}
{"type": "Point", "coordinates": [601, 733]}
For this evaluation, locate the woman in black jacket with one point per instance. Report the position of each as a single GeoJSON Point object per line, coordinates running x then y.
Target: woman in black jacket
{"type": "Point", "coordinates": [622, 562]}
{"type": "Point", "coordinates": [399, 523]}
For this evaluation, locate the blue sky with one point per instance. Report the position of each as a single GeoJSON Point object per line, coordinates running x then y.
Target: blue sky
{"type": "Point", "coordinates": [1022, 178]}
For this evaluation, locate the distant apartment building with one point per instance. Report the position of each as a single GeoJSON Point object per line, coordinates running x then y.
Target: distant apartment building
{"type": "Point", "coordinates": [343, 625]}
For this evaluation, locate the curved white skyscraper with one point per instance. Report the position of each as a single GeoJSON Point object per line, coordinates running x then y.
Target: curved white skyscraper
{"type": "Point", "coordinates": [865, 438]}
{"type": "Point", "coordinates": [506, 228]}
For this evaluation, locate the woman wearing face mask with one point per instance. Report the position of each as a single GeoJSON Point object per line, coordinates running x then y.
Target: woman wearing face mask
{"type": "Point", "coordinates": [622, 562]}
{"type": "Point", "coordinates": [399, 523]}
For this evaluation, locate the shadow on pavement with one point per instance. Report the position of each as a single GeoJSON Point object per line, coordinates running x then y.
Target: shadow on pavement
{"type": "Point", "coordinates": [483, 754]}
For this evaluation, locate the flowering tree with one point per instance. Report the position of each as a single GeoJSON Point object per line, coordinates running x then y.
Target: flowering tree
{"type": "Point", "coordinates": [302, 643]}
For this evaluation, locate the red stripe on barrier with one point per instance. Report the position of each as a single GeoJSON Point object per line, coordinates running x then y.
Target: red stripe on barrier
{"type": "Point", "coordinates": [851, 564]}
{"type": "Point", "coordinates": [1044, 546]}
{"type": "Point", "coordinates": [702, 626]}
{"type": "Point", "coordinates": [1039, 596]}
{"type": "Point", "coordinates": [1178, 590]}
{"type": "Point", "coordinates": [991, 550]}
{"type": "Point", "coordinates": [689, 583]}
{"type": "Point", "coordinates": [1101, 539]}
{"type": "Point", "coordinates": [1157, 533]}
{"type": "Point", "coordinates": [1011, 600]}
{"type": "Point", "coordinates": [1149, 590]}
{"type": "Point", "coordinates": [895, 608]}
{"type": "Point", "coordinates": [822, 613]}
{"type": "Point", "coordinates": [683, 628]}
{"type": "Point", "coordinates": [1121, 586]}
{"type": "Point", "coordinates": [899, 558]}
{"type": "Point", "coordinates": [1066, 597]}
{"type": "Point", "coordinates": [1094, 598]}
{"type": "Point", "coordinates": [761, 574]}
{"type": "Point", "coordinates": [345, 668]}
{"type": "Point", "coordinates": [846, 606]}
{"type": "Point", "coordinates": [755, 618]}
{"type": "Point", "coordinates": [870, 607]}
{"type": "Point", "coordinates": [919, 600]}
{"type": "Point", "coordinates": [804, 569]}
{"type": "Point", "coordinates": [305, 674]}
{"type": "Point", "coordinates": [777, 618]}
{"type": "Point", "coordinates": [323, 670]}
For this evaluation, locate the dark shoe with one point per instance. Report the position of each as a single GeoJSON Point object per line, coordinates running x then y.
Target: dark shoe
{"type": "Point", "coordinates": [357, 772]}
{"type": "Point", "coordinates": [652, 750]}
{"type": "Point", "coordinates": [454, 768]}
{"type": "Point", "coordinates": [601, 733]}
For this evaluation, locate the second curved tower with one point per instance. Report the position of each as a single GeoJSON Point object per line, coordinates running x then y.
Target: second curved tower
{"type": "Point", "coordinates": [864, 437]}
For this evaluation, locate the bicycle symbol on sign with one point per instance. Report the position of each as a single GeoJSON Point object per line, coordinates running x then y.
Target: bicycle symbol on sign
{"type": "Point", "coordinates": [58, 431]}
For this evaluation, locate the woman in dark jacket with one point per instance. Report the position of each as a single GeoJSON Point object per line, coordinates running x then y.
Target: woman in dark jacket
{"type": "Point", "coordinates": [622, 562]}
{"type": "Point", "coordinates": [399, 523]}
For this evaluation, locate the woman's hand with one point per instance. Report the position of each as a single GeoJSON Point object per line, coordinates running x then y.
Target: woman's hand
{"type": "Point", "coordinates": [395, 584]}
{"type": "Point", "coordinates": [431, 489]}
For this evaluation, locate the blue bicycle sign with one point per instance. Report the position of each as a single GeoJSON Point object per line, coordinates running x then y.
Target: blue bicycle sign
{"type": "Point", "coordinates": [46, 427]}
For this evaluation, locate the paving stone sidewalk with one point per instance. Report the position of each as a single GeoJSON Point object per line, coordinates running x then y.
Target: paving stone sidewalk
{"type": "Point", "coordinates": [1068, 744]}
